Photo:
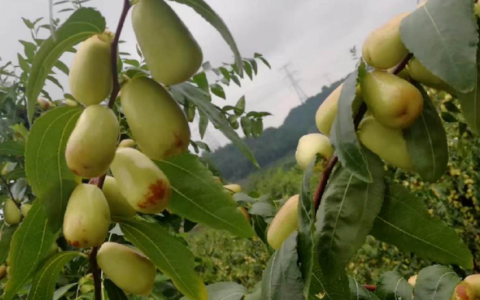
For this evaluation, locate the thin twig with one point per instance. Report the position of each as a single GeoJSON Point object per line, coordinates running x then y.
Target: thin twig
{"type": "Point", "coordinates": [97, 279]}
{"type": "Point", "coordinates": [333, 161]}
{"type": "Point", "coordinates": [116, 83]}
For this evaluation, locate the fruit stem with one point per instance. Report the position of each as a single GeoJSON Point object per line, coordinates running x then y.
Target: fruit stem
{"type": "Point", "coordinates": [334, 159]}
{"type": "Point", "coordinates": [121, 22]}
{"type": "Point", "coordinates": [96, 273]}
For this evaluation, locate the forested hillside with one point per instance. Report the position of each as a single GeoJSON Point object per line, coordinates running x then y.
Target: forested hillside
{"type": "Point", "coordinates": [274, 143]}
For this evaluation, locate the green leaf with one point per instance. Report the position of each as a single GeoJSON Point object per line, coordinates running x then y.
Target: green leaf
{"type": "Point", "coordinates": [315, 281]}
{"type": "Point", "coordinates": [30, 244]}
{"type": "Point", "coordinates": [45, 279]}
{"type": "Point", "coordinates": [260, 226]}
{"type": "Point", "coordinates": [114, 292]}
{"type": "Point", "coordinates": [47, 171]}
{"type": "Point", "coordinates": [347, 214]}
{"type": "Point", "coordinates": [7, 234]}
{"type": "Point", "coordinates": [406, 223]}
{"type": "Point", "coordinates": [13, 148]}
{"type": "Point", "coordinates": [203, 124]}
{"type": "Point", "coordinates": [202, 81]}
{"type": "Point", "coordinates": [448, 117]}
{"type": "Point", "coordinates": [343, 134]}
{"type": "Point", "coordinates": [281, 278]}
{"type": "Point", "coordinates": [82, 24]}
{"type": "Point", "coordinates": [202, 8]}
{"type": "Point", "coordinates": [248, 69]}
{"type": "Point", "coordinates": [427, 142]}
{"type": "Point", "coordinates": [225, 291]}
{"type": "Point", "coordinates": [63, 290]}
{"type": "Point", "coordinates": [240, 106]}
{"type": "Point", "coordinates": [246, 126]}
{"type": "Point", "coordinates": [201, 101]}
{"type": "Point", "coordinates": [470, 103]}
{"type": "Point", "coordinates": [256, 294]}
{"type": "Point", "coordinates": [436, 283]}
{"type": "Point", "coordinates": [392, 286]}
{"type": "Point", "coordinates": [449, 30]}
{"type": "Point", "coordinates": [236, 80]}
{"type": "Point", "coordinates": [218, 91]}
{"type": "Point", "coordinates": [198, 197]}
{"type": "Point", "coordinates": [169, 254]}
{"type": "Point", "coordinates": [358, 292]}
{"type": "Point", "coordinates": [62, 67]}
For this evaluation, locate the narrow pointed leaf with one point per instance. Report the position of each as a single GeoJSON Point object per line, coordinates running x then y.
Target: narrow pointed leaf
{"type": "Point", "coordinates": [7, 234]}
{"type": "Point", "coordinates": [347, 214]}
{"type": "Point", "coordinates": [169, 254]}
{"type": "Point", "coordinates": [13, 148]}
{"type": "Point", "coordinates": [198, 97]}
{"type": "Point", "coordinates": [435, 283]}
{"type": "Point", "coordinates": [282, 279]}
{"type": "Point", "coordinates": [427, 142]}
{"type": "Point", "coordinates": [47, 171]}
{"type": "Point", "coordinates": [30, 244]}
{"type": "Point", "coordinates": [198, 197]}
{"type": "Point", "coordinates": [443, 36]}
{"type": "Point", "coordinates": [82, 24]}
{"type": "Point", "coordinates": [392, 286]}
{"type": "Point", "coordinates": [45, 279]}
{"type": "Point", "coordinates": [343, 133]}
{"type": "Point", "coordinates": [470, 103]}
{"type": "Point", "coordinates": [202, 8]}
{"type": "Point", "coordinates": [405, 222]}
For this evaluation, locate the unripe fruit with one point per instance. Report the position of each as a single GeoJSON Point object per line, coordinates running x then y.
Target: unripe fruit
{"type": "Point", "coordinates": [87, 217]}
{"type": "Point", "coordinates": [127, 268]}
{"type": "Point", "coordinates": [327, 111]}
{"type": "Point", "coordinates": [25, 208]}
{"type": "Point", "coordinates": [309, 146]}
{"type": "Point", "coordinates": [91, 74]}
{"type": "Point", "coordinates": [413, 280]}
{"type": "Point", "coordinates": [384, 48]}
{"type": "Point", "coordinates": [91, 146]}
{"type": "Point", "coordinates": [394, 102]}
{"type": "Point", "coordinates": [421, 74]}
{"type": "Point", "coordinates": [284, 223]}
{"type": "Point", "coordinates": [244, 212]}
{"type": "Point", "coordinates": [463, 291]}
{"type": "Point", "coordinates": [233, 188]}
{"type": "Point", "coordinates": [3, 271]}
{"type": "Point", "coordinates": [70, 102]}
{"type": "Point", "coordinates": [474, 281]}
{"type": "Point", "coordinates": [142, 183]}
{"type": "Point", "coordinates": [128, 143]}
{"type": "Point", "coordinates": [11, 213]}
{"type": "Point", "coordinates": [155, 119]}
{"type": "Point", "coordinates": [386, 142]}
{"type": "Point", "coordinates": [86, 284]}
{"type": "Point", "coordinates": [119, 206]}
{"type": "Point", "coordinates": [170, 51]}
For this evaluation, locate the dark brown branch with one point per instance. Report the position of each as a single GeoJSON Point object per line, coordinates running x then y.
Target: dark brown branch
{"type": "Point", "coordinates": [116, 83]}
{"type": "Point", "coordinates": [100, 180]}
{"type": "Point", "coordinates": [333, 161]}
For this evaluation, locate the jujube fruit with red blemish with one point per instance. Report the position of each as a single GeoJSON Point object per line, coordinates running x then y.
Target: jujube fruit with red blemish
{"type": "Point", "coordinates": [140, 181]}
{"type": "Point", "coordinates": [87, 217]}
{"type": "Point", "coordinates": [127, 268]}
{"type": "Point", "coordinates": [170, 51]}
{"type": "Point", "coordinates": [91, 74]}
{"type": "Point", "coordinates": [157, 123]}
{"type": "Point", "coordinates": [92, 144]}
{"type": "Point", "coordinates": [393, 101]}
{"type": "Point", "coordinates": [463, 291]}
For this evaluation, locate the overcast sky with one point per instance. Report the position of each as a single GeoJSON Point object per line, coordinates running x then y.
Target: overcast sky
{"type": "Point", "coordinates": [313, 36]}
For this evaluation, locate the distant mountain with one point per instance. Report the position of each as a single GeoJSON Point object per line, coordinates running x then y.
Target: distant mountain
{"type": "Point", "coordinates": [274, 143]}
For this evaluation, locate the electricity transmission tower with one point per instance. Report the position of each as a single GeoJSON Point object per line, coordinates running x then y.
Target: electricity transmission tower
{"type": "Point", "coordinates": [302, 96]}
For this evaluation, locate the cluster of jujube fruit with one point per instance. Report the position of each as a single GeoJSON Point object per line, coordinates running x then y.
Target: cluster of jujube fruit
{"type": "Point", "coordinates": [159, 128]}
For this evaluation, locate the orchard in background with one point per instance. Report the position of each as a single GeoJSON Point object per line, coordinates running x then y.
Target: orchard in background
{"type": "Point", "coordinates": [113, 189]}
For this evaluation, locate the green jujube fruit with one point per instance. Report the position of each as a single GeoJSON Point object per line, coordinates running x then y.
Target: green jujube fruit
{"type": "Point", "coordinates": [393, 101]}
{"type": "Point", "coordinates": [157, 123]}
{"type": "Point", "coordinates": [119, 206]}
{"type": "Point", "coordinates": [25, 208]}
{"type": "Point", "coordinates": [419, 73]}
{"type": "Point", "coordinates": [11, 212]}
{"type": "Point", "coordinates": [170, 51]}
{"type": "Point", "coordinates": [309, 146]}
{"type": "Point", "coordinates": [386, 142]}
{"type": "Point", "coordinates": [87, 217]}
{"type": "Point", "coordinates": [92, 144]}
{"type": "Point", "coordinates": [284, 223]}
{"type": "Point", "coordinates": [90, 75]}
{"type": "Point", "coordinates": [383, 48]}
{"type": "Point", "coordinates": [327, 112]}
{"type": "Point", "coordinates": [140, 181]}
{"type": "Point", "coordinates": [127, 268]}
